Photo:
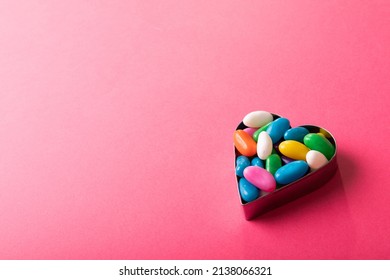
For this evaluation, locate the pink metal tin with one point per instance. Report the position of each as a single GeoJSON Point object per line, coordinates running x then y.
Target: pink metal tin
{"type": "Point", "coordinates": [287, 193]}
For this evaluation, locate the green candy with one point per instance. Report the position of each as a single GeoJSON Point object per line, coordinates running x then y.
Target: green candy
{"type": "Point", "coordinates": [319, 143]}
{"type": "Point", "coordinates": [273, 163]}
{"type": "Point", "coordinates": [257, 132]}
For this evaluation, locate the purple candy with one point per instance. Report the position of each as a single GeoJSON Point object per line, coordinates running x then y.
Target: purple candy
{"type": "Point", "coordinates": [286, 159]}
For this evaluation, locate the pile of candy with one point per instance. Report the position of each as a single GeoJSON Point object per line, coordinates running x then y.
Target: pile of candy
{"type": "Point", "coordinates": [271, 154]}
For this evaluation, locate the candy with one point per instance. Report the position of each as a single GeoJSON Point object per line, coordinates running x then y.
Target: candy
{"type": "Point", "coordinates": [273, 163]}
{"type": "Point", "coordinates": [260, 178]}
{"type": "Point", "coordinates": [319, 143]}
{"type": "Point", "coordinates": [250, 130]}
{"type": "Point", "coordinates": [325, 133]}
{"type": "Point", "coordinates": [244, 143]}
{"type": "Point", "coordinates": [286, 160]}
{"type": "Point", "coordinates": [242, 162]}
{"type": "Point", "coordinates": [293, 149]}
{"type": "Point", "coordinates": [257, 132]}
{"type": "Point", "coordinates": [257, 119]}
{"type": "Point", "coordinates": [270, 154]}
{"type": "Point", "coordinates": [257, 162]}
{"type": "Point", "coordinates": [291, 172]}
{"type": "Point", "coordinates": [264, 145]}
{"type": "Point", "coordinates": [315, 160]}
{"type": "Point", "coordinates": [296, 133]}
{"type": "Point", "coordinates": [248, 191]}
{"type": "Point", "coordinates": [277, 128]}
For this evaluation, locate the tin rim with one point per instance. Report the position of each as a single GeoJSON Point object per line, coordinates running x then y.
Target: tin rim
{"type": "Point", "coordinates": [309, 127]}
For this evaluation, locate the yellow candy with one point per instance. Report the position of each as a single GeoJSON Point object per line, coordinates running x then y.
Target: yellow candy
{"type": "Point", "coordinates": [293, 149]}
{"type": "Point", "coordinates": [325, 133]}
{"type": "Point", "coordinates": [321, 134]}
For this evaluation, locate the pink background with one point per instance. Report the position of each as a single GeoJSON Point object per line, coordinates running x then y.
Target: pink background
{"type": "Point", "coordinates": [117, 119]}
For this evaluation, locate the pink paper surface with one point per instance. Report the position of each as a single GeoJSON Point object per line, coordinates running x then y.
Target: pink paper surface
{"type": "Point", "coordinates": [117, 119]}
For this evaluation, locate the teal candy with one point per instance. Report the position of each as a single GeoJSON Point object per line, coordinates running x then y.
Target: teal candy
{"type": "Point", "coordinates": [257, 162]}
{"type": "Point", "coordinates": [296, 133]}
{"type": "Point", "coordinates": [248, 191]}
{"type": "Point", "coordinates": [242, 162]}
{"type": "Point", "coordinates": [291, 172]}
{"type": "Point", "coordinates": [277, 129]}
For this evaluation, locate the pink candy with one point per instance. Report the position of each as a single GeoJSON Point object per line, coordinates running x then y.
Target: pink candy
{"type": "Point", "coordinates": [250, 130]}
{"type": "Point", "coordinates": [260, 178]}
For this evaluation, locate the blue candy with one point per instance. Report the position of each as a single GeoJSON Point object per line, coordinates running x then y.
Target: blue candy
{"type": "Point", "coordinates": [242, 162]}
{"type": "Point", "coordinates": [296, 133]}
{"type": "Point", "coordinates": [277, 128]}
{"type": "Point", "coordinates": [248, 191]}
{"type": "Point", "coordinates": [291, 172]}
{"type": "Point", "coordinates": [257, 162]}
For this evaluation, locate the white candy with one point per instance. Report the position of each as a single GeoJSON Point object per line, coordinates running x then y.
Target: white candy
{"type": "Point", "coordinates": [257, 119]}
{"type": "Point", "coordinates": [315, 159]}
{"type": "Point", "coordinates": [264, 145]}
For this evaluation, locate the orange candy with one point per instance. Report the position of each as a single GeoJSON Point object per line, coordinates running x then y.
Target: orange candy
{"type": "Point", "coordinates": [244, 143]}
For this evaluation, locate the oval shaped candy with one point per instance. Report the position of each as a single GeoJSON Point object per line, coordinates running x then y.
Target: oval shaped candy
{"type": "Point", "coordinates": [242, 162]}
{"type": "Point", "coordinates": [250, 130]}
{"type": "Point", "coordinates": [257, 119]}
{"type": "Point", "coordinates": [273, 163]}
{"type": "Point", "coordinates": [293, 149]}
{"type": "Point", "coordinates": [277, 129]}
{"type": "Point", "coordinates": [325, 133]}
{"type": "Point", "coordinates": [315, 159]}
{"type": "Point", "coordinates": [319, 143]}
{"type": "Point", "coordinates": [244, 143]}
{"type": "Point", "coordinates": [264, 145]}
{"type": "Point", "coordinates": [257, 132]}
{"type": "Point", "coordinates": [291, 172]}
{"type": "Point", "coordinates": [260, 178]}
{"type": "Point", "coordinates": [257, 162]}
{"type": "Point", "coordinates": [286, 160]}
{"type": "Point", "coordinates": [296, 133]}
{"type": "Point", "coordinates": [248, 191]}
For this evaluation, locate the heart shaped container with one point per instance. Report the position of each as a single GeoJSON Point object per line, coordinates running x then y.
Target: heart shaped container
{"type": "Point", "coordinates": [292, 191]}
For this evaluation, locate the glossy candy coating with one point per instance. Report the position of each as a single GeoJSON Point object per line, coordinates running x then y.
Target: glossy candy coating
{"type": "Point", "coordinates": [294, 149]}
{"type": "Point", "coordinates": [319, 143]}
{"type": "Point", "coordinates": [277, 129]}
{"type": "Point", "coordinates": [283, 157]}
{"type": "Point", "coordinates": [291, 172]}
{"type": "Point", "coordinates": [242, 162]}
{"type": "Point", "coordinates": [248, 191]}
{"type": "Point", "coordinates": [296, 133]}
{"type": "Point", "coordinates": [257, 119]}
{"type": "Point", "coordinates": [244, 143]}
{"type": "Point", "coordinates": [264, 145]}
{"type": "Point", "coordinates": [325, 133]}
{"type": "Point", "coordinates": [315, 159]}
{"type": "Point", "coordinates": [273, 163]}
{"type": "Point", "coordinates": [257, 162]}
{"type": "Point", "coordinates": [260, 178]}
{"type": "Point", "coordinates": [286, 160]}
{"type": "Point", "coordinates": [257, 132]}
{"type": "Point", "coordinates": [250, 130]}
